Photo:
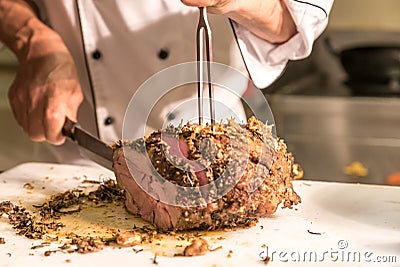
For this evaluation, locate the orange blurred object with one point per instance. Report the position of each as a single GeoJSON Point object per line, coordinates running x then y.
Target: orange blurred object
{"type": "Point", "coordinates": [393, 179]}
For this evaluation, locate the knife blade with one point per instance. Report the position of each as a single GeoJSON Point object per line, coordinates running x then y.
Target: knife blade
{"type": "Point", "coordinates": [89, 146]}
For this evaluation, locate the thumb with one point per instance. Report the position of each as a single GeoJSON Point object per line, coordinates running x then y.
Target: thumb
{"type": "Point", "coordinates": [73, 104]}
{"type": "Point", "coordinates": [54, 121]}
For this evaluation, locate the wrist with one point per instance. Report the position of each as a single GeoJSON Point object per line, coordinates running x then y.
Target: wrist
{"type": "Point", "coordinates": [35, 40]}
{"type": "Point", "coordinates": [23, 32]}
{"type": "Point", "coordinates": [269, 20]}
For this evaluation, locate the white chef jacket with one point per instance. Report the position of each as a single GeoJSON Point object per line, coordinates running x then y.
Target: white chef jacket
{"type": "Point", "coordinates": [118, 44]}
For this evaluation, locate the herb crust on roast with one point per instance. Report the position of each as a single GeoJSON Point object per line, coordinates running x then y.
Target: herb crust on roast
{"type": "Point", "coordinates": [242, 172]}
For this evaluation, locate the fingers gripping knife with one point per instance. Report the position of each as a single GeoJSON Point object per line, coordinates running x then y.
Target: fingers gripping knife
{"type": "Point", "coordinates": [204, 38]}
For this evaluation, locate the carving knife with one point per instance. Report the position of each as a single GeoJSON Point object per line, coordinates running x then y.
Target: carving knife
{"type": "Point", "coordinates": [89, 146]}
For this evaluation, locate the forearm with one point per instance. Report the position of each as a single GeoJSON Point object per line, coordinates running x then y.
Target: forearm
{"type": "Point", "coordinates": [269, 20]}
{"type": "Point", "coordinates": [22, 31]}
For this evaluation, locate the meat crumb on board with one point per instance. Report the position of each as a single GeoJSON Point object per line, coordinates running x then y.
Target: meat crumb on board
{"type": "Point", "coordinates": [198, 247]}
{"type": "Point", "coordinates": [267, 260]}
{"type": "Point", "coordinates": [88, 244]}
{"type": "Point", "coordinates": [128, 239]}
{"type": "Point", "coordinates": [28, 186]}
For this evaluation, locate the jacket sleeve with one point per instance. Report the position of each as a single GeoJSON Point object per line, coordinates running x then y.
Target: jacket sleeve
{"type": "Point", "coordinates": [265, 61]}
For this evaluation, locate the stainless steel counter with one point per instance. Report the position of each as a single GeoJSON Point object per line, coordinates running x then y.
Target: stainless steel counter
{"type": "Point", "coordinates": [325, 125]}
{"type": "Point", "coordinates": [328, 133]}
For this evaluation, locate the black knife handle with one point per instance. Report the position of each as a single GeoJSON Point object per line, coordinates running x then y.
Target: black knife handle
{"type": "Point", "coordinates": [68, 129]}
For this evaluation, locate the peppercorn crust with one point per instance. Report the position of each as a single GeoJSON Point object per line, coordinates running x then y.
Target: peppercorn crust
{"type": "Point", "coordinates": [247, 154]}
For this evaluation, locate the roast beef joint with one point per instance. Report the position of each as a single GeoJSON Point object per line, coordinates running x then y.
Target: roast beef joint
{"type": "Point", "coordinates": [206, 177]}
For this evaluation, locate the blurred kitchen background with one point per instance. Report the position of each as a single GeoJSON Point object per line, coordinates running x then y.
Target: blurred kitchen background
{"type": "Point", "coordinates": [327, 124]}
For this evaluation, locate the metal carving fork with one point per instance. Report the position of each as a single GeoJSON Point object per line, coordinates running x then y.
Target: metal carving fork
{"type": "Point", "coordinates": [204, 37]}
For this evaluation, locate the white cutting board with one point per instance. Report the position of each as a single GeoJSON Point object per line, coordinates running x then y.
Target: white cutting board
{"type": "Point", "coordinates": [354, 220]}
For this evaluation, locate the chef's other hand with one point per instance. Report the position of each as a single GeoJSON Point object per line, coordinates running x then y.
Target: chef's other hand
{"type": "Point", "coordinates": [46, 87]}
{"type": "Point", "coordinates": [268, 19]}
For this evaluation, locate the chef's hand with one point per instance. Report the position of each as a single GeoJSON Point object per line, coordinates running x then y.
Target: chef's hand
{"type": "Point", "coordinates": [46, 88]}
{"type": "Point", "coordinates": [268, 19]}
{"type": "Point", "coordinates": [44, 92]}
